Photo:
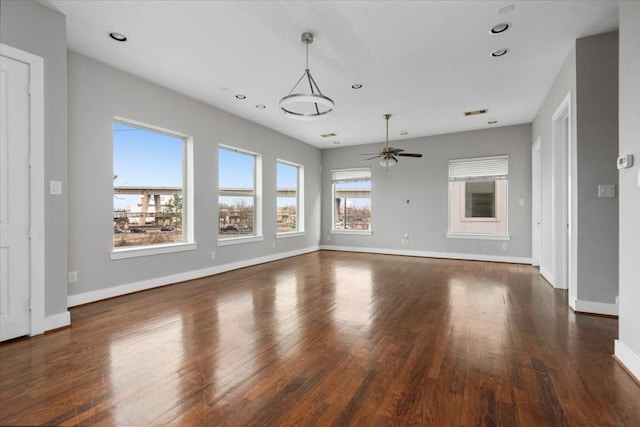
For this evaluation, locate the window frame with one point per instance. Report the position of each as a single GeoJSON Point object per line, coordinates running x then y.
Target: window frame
{"type": "Point", "coordinates": [256, 236]}
{"type": "Point", "coordinates": [334, 181]}
{"type": "Point", "coordinates": [300, 229]}
{"type": "Point", "coordinates": [188, 242]}
{"type": "Point", "coordinates": [479, 169]}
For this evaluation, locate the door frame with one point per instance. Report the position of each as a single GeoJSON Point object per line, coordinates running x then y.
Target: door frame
{"type": "Point", "coordinates": [562, 199]}
{"type": "Point", "coordinates": [536, 203]}
{"type": "Point", "coordinates": [36, 184]}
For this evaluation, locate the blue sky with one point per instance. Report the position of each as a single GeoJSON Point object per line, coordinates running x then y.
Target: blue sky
{"type": "Point", "coordinates": [142, 157]}
{"type": "Point", "coordinates": [146, 158]}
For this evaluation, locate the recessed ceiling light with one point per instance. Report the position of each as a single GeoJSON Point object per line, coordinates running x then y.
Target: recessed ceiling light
{"type": "Point", "coordinates": [261, 107]}
{"type": "Point", "coordinates": [241, 97]}
{"type": "Point", "coordinates": [492, 122]}
{"type": "Point", "coordinates": [118, 37]}
{"type": "Point", "coordinates": [500, 28]}
{"type": "Point", "coordinates": [404, 132]}
{"type": "Point", "coordinates": [357, 86]}
{"type": "Point", "coordinates": [336, 142]}
{"type": "Point", "coordinates": [327, 135]}
{"type": "Point", "coordinates": [499, 52]}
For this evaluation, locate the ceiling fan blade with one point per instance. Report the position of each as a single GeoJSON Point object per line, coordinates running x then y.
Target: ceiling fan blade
{"type": "Point", "coordinates": [374, 157]}
{"type": "Point", "coordinates": [410, 154]}
{"type": "Point", "coordinates": [369, 154]}
{"type": "Point", "coordinates": [395, 150]}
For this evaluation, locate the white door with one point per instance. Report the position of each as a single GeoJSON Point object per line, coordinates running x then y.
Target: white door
{"type": "Point", "coordinates": [14, 199]}
{"type": "Point", "coordinates": [536, 204]}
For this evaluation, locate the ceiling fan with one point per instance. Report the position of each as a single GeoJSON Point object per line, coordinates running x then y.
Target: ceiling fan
{"type": "Point", "coordinates": [388, 155]}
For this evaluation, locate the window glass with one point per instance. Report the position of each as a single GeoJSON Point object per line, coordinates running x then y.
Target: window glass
{"type": "Point", "coordinates": [480, 199]}
{"type": "Point", "coordinates": [352, 199]}
{"type": "Point", "coordinates": [236, 193]}
{"type": "Point", "coordinates": [288, 197]}
{"type": "Point", "coordinates": [148, 186]}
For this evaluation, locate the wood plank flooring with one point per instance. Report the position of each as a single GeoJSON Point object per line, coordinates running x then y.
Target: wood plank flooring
{"type": "Point", "coordinates": [327, 338]}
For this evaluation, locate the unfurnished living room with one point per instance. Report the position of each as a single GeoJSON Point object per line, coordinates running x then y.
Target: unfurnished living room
{"type": "Point", "coordinates": [270, 213]}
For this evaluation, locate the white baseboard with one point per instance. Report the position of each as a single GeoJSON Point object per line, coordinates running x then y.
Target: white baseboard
{"type": "Point", "coordinates": [548, 276]}
{"type": "Point", "coordinates": [426, 254]}
{"type": "Point", "coordinates": [628, 358]}
{"type": "Point", "coordinates": [56, 321]}
{"type": "Point", "coordinates": [595, 307]}
{"type": "Point", "coordinates": [87, 297]}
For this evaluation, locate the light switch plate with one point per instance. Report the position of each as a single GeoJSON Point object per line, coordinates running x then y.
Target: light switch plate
{"type": "Point", "coordinates": [606, 191]}
{"type": "Point", "coordinates": [55, 188]}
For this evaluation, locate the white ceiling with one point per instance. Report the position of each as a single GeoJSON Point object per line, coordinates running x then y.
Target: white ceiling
{"type": "Point", "coordinates": [426, 62]}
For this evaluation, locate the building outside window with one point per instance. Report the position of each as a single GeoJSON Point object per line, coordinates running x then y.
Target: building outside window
{"type": "Point", "coordinates": [478, 196]}
{"type": "Point", "coordinates": [237, 193]}
{"type": "Point", "coordinates": [352, 200]}
{"type": "Point", "coordinates": [149, 185]}
{"type": "Point", "coordinates": [289, 197]}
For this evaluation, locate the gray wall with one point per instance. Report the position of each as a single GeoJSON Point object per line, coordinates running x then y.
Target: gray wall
{"type": "Point", "coordinates": [629, 123]}
{"type": "Point", "coordinates": [97, 93]}
{"type": "Point", "coordinates": [564, 84]}
{"type": "Point", "coordinates": [597, 150]}
{"type": "Point", "coordinates": [36, 29]}
{"type": "Point", "coordinates": [425, 183]}
{"type": "Point", "coordinates": [590, 74]}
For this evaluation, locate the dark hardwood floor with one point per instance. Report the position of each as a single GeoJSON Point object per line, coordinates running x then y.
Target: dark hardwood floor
{"type": "Point", "coordinates": [327, 338]}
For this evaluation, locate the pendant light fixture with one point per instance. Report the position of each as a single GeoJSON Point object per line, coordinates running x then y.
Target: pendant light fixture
{"type": "Point", "coordinates": [306, 105]}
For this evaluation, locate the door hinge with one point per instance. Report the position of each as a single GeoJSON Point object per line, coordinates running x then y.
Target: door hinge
{"type": "Point", "coordinates": [30, 304]}
{"type": "Point", "coordinates": [30, 89]}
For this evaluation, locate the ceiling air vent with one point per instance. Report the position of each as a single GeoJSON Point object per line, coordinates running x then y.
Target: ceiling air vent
{"type": "Point", "coordinates": [328, 135]}
{"type": "Point", "coordinates": [475, 112]}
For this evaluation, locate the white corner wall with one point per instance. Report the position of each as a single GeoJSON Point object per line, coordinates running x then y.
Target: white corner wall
{"type": "Point", "coordinates": [627, 347]}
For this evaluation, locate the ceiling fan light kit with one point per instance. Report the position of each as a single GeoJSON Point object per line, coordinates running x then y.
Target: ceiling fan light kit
{"type": "Point", "coordinates": [320, 105]}
{"type": "Point", "coordinates": [388, 154]}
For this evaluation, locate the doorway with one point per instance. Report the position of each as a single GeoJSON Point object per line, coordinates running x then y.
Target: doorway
{"type": "Point", "coordinates": [22, 199]}
{"type": "Point", "coordinates": [536, 204]}
{"type": "Point", "coordinates": [561, 200]}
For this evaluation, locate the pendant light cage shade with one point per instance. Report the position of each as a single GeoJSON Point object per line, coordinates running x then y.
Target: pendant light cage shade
{"type": "Point", "coordinates": [306, 105]}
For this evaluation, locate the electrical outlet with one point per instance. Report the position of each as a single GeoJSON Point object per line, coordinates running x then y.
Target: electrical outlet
{"type": "Point", "coordinates": [404, 241]}
{"type": "Point", "coordinates": [73, 276]}
{"type": "Point", "coordinates": [213, 254]}
{"type": "Point", "coordinates": [328, 237]}
{"type": "Point", "coordinates": [273, 245]}
{"type": "Point", "coordinates": [504, 246]}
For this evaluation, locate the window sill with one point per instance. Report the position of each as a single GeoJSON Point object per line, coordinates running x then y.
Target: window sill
{"type": "Point", "coordinates": [239, 240]}
{"type": "Point", "coordinates": [466, 219]}
{"type": "Point", "coordinates": [355, 232]}
{"type": "Point", "coordinates": [288, 234]}
{"type": "Point", "coordinates": [151, 250]}
{"type": "Point", "coordinates": [477, 236]}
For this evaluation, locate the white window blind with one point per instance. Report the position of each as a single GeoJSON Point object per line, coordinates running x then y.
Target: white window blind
{"type": "Point", "coordinates": [479, 168]}
{"type": "Point", "coordinates": [351, 175]}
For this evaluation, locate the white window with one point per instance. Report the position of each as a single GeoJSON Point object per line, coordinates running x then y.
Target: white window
{"type": "Point", "coordinates": [289, 197]}
{"type": "Point", "coordinates": [238, 193]}
{"type": "Point", "coordinates": [151, 195]}
{"type": "Point", "coordinates": [352, 200]}
{"type": "Point", "coordinates": [478, 197]}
